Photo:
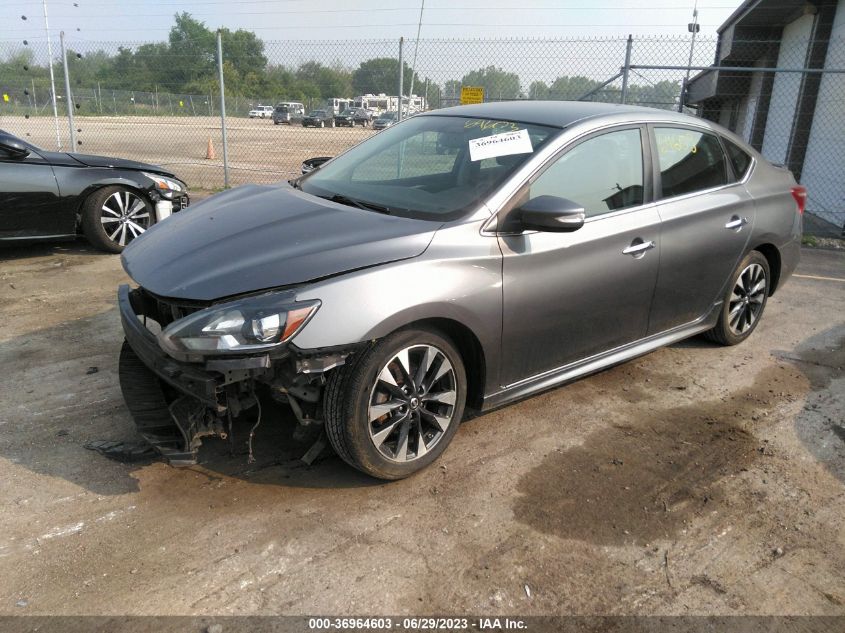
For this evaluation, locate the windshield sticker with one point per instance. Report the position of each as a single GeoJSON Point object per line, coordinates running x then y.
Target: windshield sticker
{"type": "Point", "coordinates": [487, 124]}
{"type": "Point", "coordinates": [504, 144]}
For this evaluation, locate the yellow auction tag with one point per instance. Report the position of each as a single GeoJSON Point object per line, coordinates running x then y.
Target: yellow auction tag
{"type": "Point", "coordinates": [5, 97]}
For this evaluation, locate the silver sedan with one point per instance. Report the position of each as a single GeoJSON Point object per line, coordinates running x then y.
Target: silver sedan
{"type": "Point", "coordinates": [463, 258]}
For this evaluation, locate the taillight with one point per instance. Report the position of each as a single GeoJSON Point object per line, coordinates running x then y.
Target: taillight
{"type": "Point", "coordinates": [800, 194]}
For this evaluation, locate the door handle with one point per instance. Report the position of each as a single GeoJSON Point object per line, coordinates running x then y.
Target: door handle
{"type": "Point", "coordinates": [736, 223]}
{"type": "Point", "coordinates": [638, 248]}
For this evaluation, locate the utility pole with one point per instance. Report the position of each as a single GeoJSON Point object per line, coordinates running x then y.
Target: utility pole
{"type": "Point", "coordinates": [222, 109]}
{"type": "Point", "coordinates": [52, 78]}
{"type": "Point", "coordinates": [68, 96]}
{"type": "Point", "coordinates": [693, 27]}
{"type": "Point", "coordinates": [416, 48]}
{"type": "Point", "coordinates": [627, 68]}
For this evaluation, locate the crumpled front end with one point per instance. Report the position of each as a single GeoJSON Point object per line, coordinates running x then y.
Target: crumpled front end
{"type": "Point", "coordinates": [177, 403]}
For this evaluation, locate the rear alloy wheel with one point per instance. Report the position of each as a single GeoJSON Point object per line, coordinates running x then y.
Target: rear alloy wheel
{"type": "Point", "coordinates": [744, 301]}
{"type": "Point", "coordinates": [396, 406]}
{"type": "Point", "coordinates": [114, 216]}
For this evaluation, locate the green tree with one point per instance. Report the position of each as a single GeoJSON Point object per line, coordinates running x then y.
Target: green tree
{"type": "Point", "coordinates": [663, 94]}
{"type": "Point", "coordinates": [191, 52]}
{"type": "Point", "coordinates": [571, 88]}
{"type": "Point", "coordinates": [451, 94]}
{"type": "Point", "coordinates": [326, 82]}
{"type": "Point", "coordinates": [538, 90]}
{"type": "Point", "coordinates": [381, 75]}
{"type": "Point", "coordinates": [498, 85]}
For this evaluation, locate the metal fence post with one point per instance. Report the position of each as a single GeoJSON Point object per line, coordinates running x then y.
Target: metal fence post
{"type": "Point", "coordinates": [401, 75]}
{"type": "Point", "coordinates": [626, 69]}
{"type": "Point", "coordinates": [68, 96]}
{"type": "Point", "coordinates": [223, 109]}
{"type": "Point", "coordinates": [52, 77]}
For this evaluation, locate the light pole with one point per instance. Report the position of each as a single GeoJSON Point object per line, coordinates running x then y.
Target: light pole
{"type": "Point", "coordinates": [52, 78]}
{"type": "Point", "coordinates": [693, 27]}
{"type": "Point", "coordinates": [414, 64]}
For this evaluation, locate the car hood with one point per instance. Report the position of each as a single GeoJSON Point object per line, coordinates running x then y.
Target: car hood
{"type": "Point", "coordinates": [258, 237]}
{"type": "Point", "coordinates": [88, 160]}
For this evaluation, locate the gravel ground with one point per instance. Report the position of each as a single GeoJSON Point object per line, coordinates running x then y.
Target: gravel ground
{"type": "Point", "coordinates": [694, 480]}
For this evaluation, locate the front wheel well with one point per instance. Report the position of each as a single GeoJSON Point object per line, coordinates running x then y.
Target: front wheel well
{"type": "Point", "coordinates": [470, 350]}
{"type": "Point", "coordinates": [772, 255]}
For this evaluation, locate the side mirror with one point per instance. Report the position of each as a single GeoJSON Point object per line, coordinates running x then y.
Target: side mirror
{"type": "Point", "coordinates": [551, 214]}
{"type": "Point", "coordinates": [13, 147]}
{"type": "Point", "coordinates": [310, 164]}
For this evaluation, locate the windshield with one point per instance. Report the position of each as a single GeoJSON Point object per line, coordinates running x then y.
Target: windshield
{"type": "Point", "coordinates": [318, 113]}
{"type": "Point", "coordinates": [429, 167]}
{"type": "Point", "coordinates": [387, 116]}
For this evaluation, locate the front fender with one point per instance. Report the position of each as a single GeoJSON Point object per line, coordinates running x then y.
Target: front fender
{"type": "Point", "coordinates": [459, 278]}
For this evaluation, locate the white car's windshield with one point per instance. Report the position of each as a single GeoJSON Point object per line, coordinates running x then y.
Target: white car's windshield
{"type": "Point", "coordinates": [428, 167]}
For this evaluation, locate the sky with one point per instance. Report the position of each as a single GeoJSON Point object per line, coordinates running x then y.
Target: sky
{"type": "Point", "coordinates": [150, 20]}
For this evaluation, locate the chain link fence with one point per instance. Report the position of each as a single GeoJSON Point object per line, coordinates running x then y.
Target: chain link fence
{"type": "Point", "coordinates": [161, 102]}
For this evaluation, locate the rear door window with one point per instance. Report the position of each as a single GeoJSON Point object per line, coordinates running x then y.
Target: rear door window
{"type": "Point", "coordinates": [740, 160]}
{"type": "Point", "coordinates": [689, 161]}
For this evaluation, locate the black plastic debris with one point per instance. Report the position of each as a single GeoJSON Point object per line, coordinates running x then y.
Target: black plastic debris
{"type": "Point", "coordinates": [125, 452]}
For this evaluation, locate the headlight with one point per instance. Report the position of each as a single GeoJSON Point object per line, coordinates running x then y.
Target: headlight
{"type": "Point", "coordinates": [248, 325]}
{"type": "Point", "coordinates": [165, 186]}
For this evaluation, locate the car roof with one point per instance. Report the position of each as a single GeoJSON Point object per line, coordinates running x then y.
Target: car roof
{"type": "Point", "coordinates": [559, 113]}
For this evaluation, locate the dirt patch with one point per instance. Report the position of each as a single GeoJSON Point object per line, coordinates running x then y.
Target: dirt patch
{"type": "Point", "coordinates": [646, 476]}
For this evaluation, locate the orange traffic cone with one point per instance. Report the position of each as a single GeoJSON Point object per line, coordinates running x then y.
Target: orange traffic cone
{"type": "Point", "coordinates": [209, 152]}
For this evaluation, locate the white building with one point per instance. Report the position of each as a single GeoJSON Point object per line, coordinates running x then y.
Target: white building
{"type": "Point", "coordinates": [792, 118]}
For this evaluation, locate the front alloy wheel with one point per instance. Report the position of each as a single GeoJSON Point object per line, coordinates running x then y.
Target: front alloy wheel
{"type": "Point", "coordinates": [395, 406]}
{"type": "Point", "coordinates": [114, 216]}
{"type": "Point", "coordinates": [412, 402]}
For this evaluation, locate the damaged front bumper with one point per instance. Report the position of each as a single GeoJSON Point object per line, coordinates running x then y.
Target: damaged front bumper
{"type": "Point", "coordinates": [196, 400]}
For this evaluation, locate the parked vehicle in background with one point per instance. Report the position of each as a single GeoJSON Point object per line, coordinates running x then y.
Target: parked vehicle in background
{"type": "Point", "coordinates": [385, 120]}
{"type": "Point", "coordinates": [261, 112]}
{"type": "Point", "coordinates": [380, 103]}
{"type": "Point", "coordinates": [337, 105]}
{"type": "Point", "coordinates": [318, 118]}
{"type": "Point", "coordinates": [381, 293]}
{"type": "Point", "coordinates": [288, 112]}
{"type": "Point", "coordinates": [57, 195]}
{"type": "Point", "coordinates": [310, 164]}
{"type": "Point", "coordinates": [353, 116]}
{"type": "Point", "coordinates": [376, 104]}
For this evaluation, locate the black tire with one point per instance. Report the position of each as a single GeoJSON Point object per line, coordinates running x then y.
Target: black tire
{"type": "Point", "coordinates": [347, 401]}
{"type": "Point", "coordinates": [93, 218]}
{"type": "Point", "coordinates": [145, 397]}
{"type": "Point", "coordinates": [727, 331]}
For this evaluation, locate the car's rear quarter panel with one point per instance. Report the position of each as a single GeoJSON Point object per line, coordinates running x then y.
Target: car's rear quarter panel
{"type": "Point", "coordinates": [777, 219]}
